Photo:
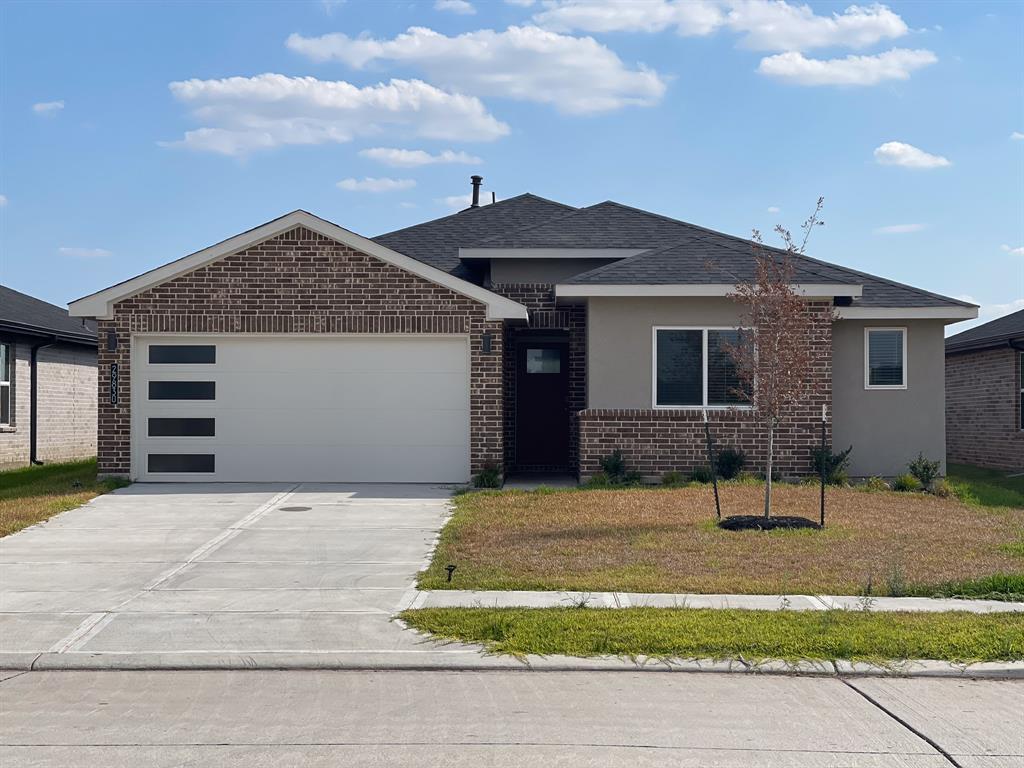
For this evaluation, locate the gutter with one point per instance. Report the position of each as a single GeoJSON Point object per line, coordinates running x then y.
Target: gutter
{"type": "Point", "coordinates": [33, 418]}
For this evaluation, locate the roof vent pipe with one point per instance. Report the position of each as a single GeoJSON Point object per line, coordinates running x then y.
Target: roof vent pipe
{"type": "Point", "coordinates": [477, 181]}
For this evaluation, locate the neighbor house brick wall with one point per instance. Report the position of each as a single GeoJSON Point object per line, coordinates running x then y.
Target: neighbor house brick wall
{"type": "Point", "coordinates": [539, 299]}
{"type": "Point", "coordinates": [655, 440]}
{"type": "Point", "coordinates": [301, 282]}
{"type": "Point", "coordinates": [66, 404]}
{"type": "Point", "coordinates": [983, 409]}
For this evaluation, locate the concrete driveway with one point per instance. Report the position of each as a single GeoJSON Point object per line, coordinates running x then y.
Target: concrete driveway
{"type": "Point", "coordinates": [218, 574]}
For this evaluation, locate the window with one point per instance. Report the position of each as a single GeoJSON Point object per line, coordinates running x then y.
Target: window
{"type": "Point", "coordinates": [693, 368]}
{"type": "Point", "coordinates": [182, 390]}
{"type": "Point", "coordinates": [885, 358]}
{"type": "Point", "coordinates": [181, 462]}
{"type": "Point", "coordinates": [162, 427]}
{"type": "Point", "coordinates": [543, 361]}
{"type": "Point", "coordinates": [183, 354]}
{"type": "Point", "coordinates": [6, 369]}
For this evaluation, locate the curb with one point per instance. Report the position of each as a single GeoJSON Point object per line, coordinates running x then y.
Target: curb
{"type": "Point", "coordinates": [475, 661]}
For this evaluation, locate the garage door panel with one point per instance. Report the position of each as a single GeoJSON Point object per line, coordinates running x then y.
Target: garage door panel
{"type": "Point", "coordinates": [380, 355]}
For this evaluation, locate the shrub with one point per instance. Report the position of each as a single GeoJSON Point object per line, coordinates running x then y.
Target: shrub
{"type": "Point", "coordinates": [835, 464]}
{"type": "Point", "coordinates": [876, 484]}
{"type": "Point", "coordinates": [700, 474]}
{"type": "Point", "coordinates": [615, 471]}
{"type": "Point", "coordinates": [776, 475]}
{"type": "Point", "coordinates": [730, 462]}
{"type": "Point", "coordinates": [905, 482]}
{"type": "Point", "coordinates": [488, 477]}
{"type": "Point", "coordinates": [924, 470]}
{"type": "Point", "coordinates": [673, 478]}
{"type": "Point", "coordinates": [942, 489]}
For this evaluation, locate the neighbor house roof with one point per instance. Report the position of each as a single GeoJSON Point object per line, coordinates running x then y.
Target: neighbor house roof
{"type": "Point", "coordinates": [1006, 330]}
{"type": "Point", "coordinates": [29, 316]}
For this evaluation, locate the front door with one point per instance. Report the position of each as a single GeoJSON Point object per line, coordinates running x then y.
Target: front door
{"type": "Point", "coordinates": [542, 404]}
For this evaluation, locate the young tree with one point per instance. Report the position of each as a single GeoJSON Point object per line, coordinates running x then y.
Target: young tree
{"type": "Point", "coordinates": [775, 359]}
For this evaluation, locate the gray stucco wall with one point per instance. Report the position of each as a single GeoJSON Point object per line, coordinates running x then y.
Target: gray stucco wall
{"type": "Point", "coordinates": [888, 428]}
{"type": "Point", "coordinates": [619, 342]}
{"type": "Point", "coordinates": [504, 271]}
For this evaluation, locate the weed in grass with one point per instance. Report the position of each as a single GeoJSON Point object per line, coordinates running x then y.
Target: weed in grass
{"type": "Point", "coordinates": [1015, 548]}
{"type": "Point", "coordinates": [895, 581]}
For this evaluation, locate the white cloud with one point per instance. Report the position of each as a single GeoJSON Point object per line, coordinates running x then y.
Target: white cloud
{"type": "Point", "coordinates": [83, 253]}
{"type": "Point", "coordinates": [328, 6]}
{"type": "Point", "coordinates": [907, 156]}
{"type": "Point", "coordinates": [48, 108]}
{"type": "Point", "coordinates": [370, 184]}
{"type": "Point", "coordinates": [575, 74]}
{"type": "Point", "coordinates": [412, 158]}
{"type": "Point", "coordinates": [3, 201]}
{"type": "Point", "coordinates": [243, 114]}
{"type": "Point", "coordinates": [766, 25]}
{"type": "Point", "coordinates": [899, 229]}
{"type": "Point", "coordinates": [896, 64]}
{"type": "Point", "coordinates": [773, 209]}
{"type": "Point", "coordinates": [455, 6]}
{"type": "Point", "coordinates": [463, 201]}
{"type": "Point", "coordinates": [1019, 251]}
{"type": "Point", "coordinates": [1017, 136]}
{"type": "Point", "coordinates": [521, 3]}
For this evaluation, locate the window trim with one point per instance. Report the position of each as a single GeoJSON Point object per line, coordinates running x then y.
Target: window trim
{"type": "Point", "coordinates": [704, 377]}
{"type": "Point", "coordinates": [9, 384]}
{"type": "Point", "coordinates": [868, 330]}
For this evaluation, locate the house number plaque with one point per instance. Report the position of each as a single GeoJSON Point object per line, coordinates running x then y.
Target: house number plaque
{"type": "Point", "coordinates": [113, 383]}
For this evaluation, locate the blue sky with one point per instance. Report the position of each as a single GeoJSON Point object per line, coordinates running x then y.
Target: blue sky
{"type": "Point", "coordinates": [133, 134]}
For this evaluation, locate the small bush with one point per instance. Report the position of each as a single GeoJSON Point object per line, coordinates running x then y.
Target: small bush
{"type": "Point", "coordinates": [730, 463]}
{"type": "Point", "coordinates": [942, 489]}
{"type": "Point", "coordinates": [700, 474]}
{"type": "Point", "coordinates": [613, 465]}
{"type": "Point", "coordinates": [924, 470]}
{"type": "Point", "coordinates": [906, 482]}
{"type": "Point", "coordinates": [776, 475]}
{"type": "Point", "coordinates": [488, 477]}
{"type": "Point", "coordinates": [875, 484]}
{"type": "Point", "coordinates": [598, 480]}
{"type": "Point", "coordinates": [835, 464]}
{"type": "Point", "coordinates": [673, 479]}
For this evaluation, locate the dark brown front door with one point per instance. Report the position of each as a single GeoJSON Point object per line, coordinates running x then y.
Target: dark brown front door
{"type": "Point", "coordinates": [542, 404]}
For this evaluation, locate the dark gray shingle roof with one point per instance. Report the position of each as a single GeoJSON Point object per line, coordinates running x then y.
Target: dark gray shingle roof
{"type": "Point", "coordinates": [1007, 328]}
{"type": "Point", "coordinates": [19, 311]}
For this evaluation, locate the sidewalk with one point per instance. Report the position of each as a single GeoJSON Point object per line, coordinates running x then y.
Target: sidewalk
{"type": "Point", "coordinates": [456, 598]}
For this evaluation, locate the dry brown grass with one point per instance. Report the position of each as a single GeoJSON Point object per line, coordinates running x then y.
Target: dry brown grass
{"type": "Point", "coordinates": [664, 540]}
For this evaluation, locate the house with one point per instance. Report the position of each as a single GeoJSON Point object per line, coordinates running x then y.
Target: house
{"type": "Point", "coordinates": [985, 394]}
{"type": "Point", "coordinates": [526, 334]}
{"type": "Point", "coordinates": [47, 382]}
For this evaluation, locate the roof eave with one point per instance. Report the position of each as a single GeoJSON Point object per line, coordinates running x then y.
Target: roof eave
{"type": "Point", "coordinates": [808, 290]}
{"type": "Point", "coordinates": [949, 312]}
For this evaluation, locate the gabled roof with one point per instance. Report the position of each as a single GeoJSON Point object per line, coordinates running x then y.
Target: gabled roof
{"type": "Point", "coordinates": [21, 313]}
{"type": "Point", "coordinates": [998, 332]}
{"type": "Point", "coordinates": [100, 304]}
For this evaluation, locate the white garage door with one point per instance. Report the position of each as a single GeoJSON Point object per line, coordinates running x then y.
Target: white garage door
{"type": "Point", "coordinates": [330, 409]}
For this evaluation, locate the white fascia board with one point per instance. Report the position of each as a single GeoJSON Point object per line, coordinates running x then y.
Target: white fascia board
{"type": "Point", "coordinates": [100, 304]}
{"type": "Point", "coordinates": [549, 253]}
{"type": "Point", "coordinates": [810, 290]}
{"type": "Point", "coordinates": [952, 313]}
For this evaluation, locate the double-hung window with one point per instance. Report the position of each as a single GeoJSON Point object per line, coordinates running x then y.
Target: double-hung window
{"type": "Point", "coordinates": [6, 370]}
{"type": "Point", "coordinates": [885, 358]}
{"type": "Point", "coordinates": [693, 368]}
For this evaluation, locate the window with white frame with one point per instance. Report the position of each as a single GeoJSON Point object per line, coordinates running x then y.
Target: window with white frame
{"type": "Point", "coordinates": [885, 358]}
{"type": "Point", "coordinates": [6, 369]}
{"type": "Point", "coordinates": [693, 368]}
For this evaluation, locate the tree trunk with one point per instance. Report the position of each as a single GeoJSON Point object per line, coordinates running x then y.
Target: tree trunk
{"type": "Point", "coordinates": [768, 471]}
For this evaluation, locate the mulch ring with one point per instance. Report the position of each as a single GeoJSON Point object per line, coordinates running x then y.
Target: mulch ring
{"type": "Point", "coordinates": [762, 523]}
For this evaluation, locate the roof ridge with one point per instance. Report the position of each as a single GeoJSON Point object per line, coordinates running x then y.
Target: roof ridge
{"type": "Point", "coordinates": [515, 232]}
{"type": "Point", "coordinates": [471, 209]}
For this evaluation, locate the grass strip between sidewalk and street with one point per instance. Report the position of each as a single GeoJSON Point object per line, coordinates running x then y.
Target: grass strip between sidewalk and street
{"type": "Point", "coordinates": [688, 633]}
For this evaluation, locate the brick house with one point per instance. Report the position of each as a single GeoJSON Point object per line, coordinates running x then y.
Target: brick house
{"type": "Point", "coordinates": [985, 394]}
{"type": "Point", "coordinates": [47, 382]}
{"type": "Point", "coordinates": [527, 334]}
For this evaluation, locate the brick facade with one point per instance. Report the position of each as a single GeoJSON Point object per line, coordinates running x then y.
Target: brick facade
{"type": "Point", "coordinates": [301, 282]}
{"type": "Point", "coordinates": [983, 409]}
{"type": "Point", "coordinates": [655, 441]}
{"type": "Point", "coordinates": [66, 402]}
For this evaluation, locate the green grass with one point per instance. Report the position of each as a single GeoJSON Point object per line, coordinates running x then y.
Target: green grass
{"type": "Point", "coordinates": [1000, 586]}
{"type": "Point", "coordinates": [705, 633]}
{"type": "Point", "coordinates": [985, 487]}
{"type": "Point", "coordinates": [32, 494]}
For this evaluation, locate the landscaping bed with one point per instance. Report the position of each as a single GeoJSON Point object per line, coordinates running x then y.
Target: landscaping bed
{"type": "Point", "coordinates": [753, 635]}
{"type": "Point", "coordinates": [32, 494]}
{"type": "Point", "coordinates": [666, 540]}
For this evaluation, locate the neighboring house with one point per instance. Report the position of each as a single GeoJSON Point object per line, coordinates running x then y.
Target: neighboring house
{"type": "Point", "coordinates": [527, 334]}
{"type": "Point", "coordinates": [985, 394]}
{"type": "Point", "coordinates": [47, 382]}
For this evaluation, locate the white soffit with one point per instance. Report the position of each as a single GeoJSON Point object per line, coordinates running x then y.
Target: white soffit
{"type": "Point", "coordinates": [907, 313]}
{"type": "Point", "coordinates": [810, 290]}
{"type": "Point", "coordinates": [100, 304]}
{"type": "Point", "coordinates": [549, 253]}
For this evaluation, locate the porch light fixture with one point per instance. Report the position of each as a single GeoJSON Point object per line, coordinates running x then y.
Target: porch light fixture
{"type": "Point", "coordinates": [488, 343]}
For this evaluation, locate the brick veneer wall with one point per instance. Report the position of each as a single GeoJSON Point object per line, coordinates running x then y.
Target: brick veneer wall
{"type": "Point", "coordinates": [539, 299]}
{"type": "Point", "coordinates": [655, 441]}
{"type": "Point", "coordinates": [983, 409]}
{"type": "Point", "coordinates": [301, 282]}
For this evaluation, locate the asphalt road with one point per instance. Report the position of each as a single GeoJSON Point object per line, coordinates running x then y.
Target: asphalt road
{"type": "Point", "coordinates": [352, 718]}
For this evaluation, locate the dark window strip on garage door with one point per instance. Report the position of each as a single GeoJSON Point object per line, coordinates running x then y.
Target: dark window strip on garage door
{"type": "Point", "coordinates": [180, 462]}
{"type": "Point", "coordinates": [169, 427]}
{"type": "Point", "coordinates": [182, 390]}
{"type": "Point", "coordinates": [183, 354]}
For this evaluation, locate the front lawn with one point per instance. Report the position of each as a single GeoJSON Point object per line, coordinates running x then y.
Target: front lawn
{"type": "Point", "coordinates": [665, 540]}
{"type": "Point", "coordinates": [32, 494]}
{"type": "Point", "coordinates": [753, 635]}
{"type": "Point", "coordinates": [986, 487]}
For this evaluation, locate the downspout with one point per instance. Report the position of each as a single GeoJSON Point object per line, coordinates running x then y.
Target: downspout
{"type": "Point", "coordinates": [33, 397]}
